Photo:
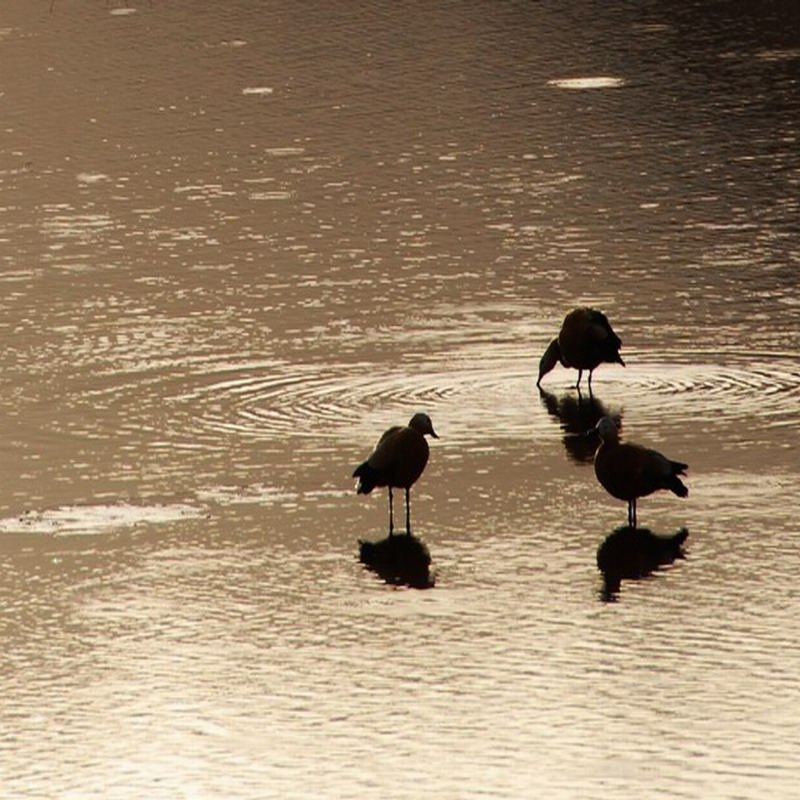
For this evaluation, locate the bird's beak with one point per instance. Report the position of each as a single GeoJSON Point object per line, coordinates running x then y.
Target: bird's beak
{"type": "Point", "coordinates": [434, 434]}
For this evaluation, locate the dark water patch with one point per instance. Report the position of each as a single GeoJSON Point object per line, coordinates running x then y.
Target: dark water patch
{"type": "Point", "coordinates": [631, 554]}
{"type": "Point", "coordinates": [401, 559]}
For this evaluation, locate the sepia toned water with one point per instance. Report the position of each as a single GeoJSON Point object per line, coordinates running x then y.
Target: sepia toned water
{"type": "Point", "coordinates": [238, 240]}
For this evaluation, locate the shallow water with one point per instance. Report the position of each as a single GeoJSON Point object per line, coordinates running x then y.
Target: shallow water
{"type": "Point", "coordinates": [238, 242]}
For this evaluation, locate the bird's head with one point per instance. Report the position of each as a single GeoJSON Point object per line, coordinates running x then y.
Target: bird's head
{"type": "Point", "coordinates": [550, 358]}
{"type": "Point", "coordinates": [608, 429]}
{"type": "Point", "coordinates": [421, 422]}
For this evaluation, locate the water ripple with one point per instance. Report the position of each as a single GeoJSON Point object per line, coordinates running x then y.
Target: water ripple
{"type": "Point", "coordinates": [490, 394]}
{"type": "Point", "coordinates": [305, 400]}
{"type": "Point", "coordinates": [703, 388]}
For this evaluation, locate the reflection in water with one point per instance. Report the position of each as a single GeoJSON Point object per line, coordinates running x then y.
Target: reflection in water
{"type": "Point", "coordinates": [261, 233]}
{"type": "Point", "coordinates": [577, 415]}
{"type": "Point", "coordinates": [631, 553]}
{"type": "Point", "coordinates": [401, 559]}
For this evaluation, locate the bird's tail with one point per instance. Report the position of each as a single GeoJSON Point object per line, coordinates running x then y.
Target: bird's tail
{"type": "Point", "coordinates": [367, 478]}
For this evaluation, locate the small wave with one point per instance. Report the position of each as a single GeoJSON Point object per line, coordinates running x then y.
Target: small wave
{"type": "Point", "coordinates": [485, 392]}
{"type": "Point", "coordinates": [490, 395]}
{"type": "Point", "coordinates": [357, 399]}
{"type": "Point", "coordinates": [95, 519]}
{"type": "Point", "coordinates": [768, 388]}
{"type": "Point", "coordinates": [256, 494]}
{"type": "Point", "coordinates": [591, 82]}
{"type": "Point", "coordinates": [262, 91]}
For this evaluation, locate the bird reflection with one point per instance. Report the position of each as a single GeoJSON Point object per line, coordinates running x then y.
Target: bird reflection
{"type": "Point", "coordinates": [576, 415]}
{"type": "Point", "coordinates": [399, 560]}
{"type": "Point", "coordinates": [632, 553]}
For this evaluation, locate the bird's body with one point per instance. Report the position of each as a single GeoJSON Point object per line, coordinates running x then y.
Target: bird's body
{"type": "Point", "coordinates": [630, 471]}
{"type": "Point", "coordinates": [398, 460]}
{"type": "Point", "coordinates": [585, 341]}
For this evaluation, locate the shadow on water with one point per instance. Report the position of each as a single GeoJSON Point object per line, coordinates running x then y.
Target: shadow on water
{"type": "Point", "coordinates": [633, 553]}
{"type": "Point", "coordinates": [401, 560]}
{"type": "Point", "coordinates": [577, 414]}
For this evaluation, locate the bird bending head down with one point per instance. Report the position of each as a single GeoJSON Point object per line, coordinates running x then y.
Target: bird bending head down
{"type": "Point", "coordinates": [585, 341]}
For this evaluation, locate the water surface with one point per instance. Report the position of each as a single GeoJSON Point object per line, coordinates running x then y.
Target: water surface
{"type": "Point", "coordinates": [237, 242]}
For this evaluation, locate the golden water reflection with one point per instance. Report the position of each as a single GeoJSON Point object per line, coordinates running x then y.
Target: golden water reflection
{"type": "Point", "coordinates": [239, 238]}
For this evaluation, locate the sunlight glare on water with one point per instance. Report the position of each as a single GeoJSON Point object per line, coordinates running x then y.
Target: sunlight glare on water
{"type": "Point", "coordinates": [240, 241]}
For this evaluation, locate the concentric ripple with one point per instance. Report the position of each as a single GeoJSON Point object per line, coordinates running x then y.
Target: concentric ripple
{"type": "Point", "coordinates": [490, 395]}
{"type": "Point", "coordinates": [338, 400]}
{"type": "Point", "coordinates": [766, 386]}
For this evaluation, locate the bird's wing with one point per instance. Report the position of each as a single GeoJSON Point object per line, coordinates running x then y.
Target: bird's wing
{"type": "Point", "coordinates": [656, 466]}
{"type": "Point", "coordinates": [599, 328]}
{"type": "Point", "coordinates": [632, 461]}
{"type": "Point", "coordinates": [384, 453]}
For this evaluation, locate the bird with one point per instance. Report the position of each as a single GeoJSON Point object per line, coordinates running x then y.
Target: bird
{"type": "Point", "coordinates": [585, 341]}
{"type": "Point", "coordinates": [630, 471]}
{"type": "Point", "coordinates": [397, 461]}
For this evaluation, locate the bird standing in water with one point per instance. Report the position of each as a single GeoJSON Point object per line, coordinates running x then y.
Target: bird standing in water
{"type": "Point", "coordinates": [630, 471]}
{"type": "Point", "coordinates": [585, 341]}
{"type": "Point", "coordinates": [397, 461]}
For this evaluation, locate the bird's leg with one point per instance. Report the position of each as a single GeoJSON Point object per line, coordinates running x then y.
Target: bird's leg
{"type": "Point", "coordinates": [590, 382]}
{"type": "Point", "coordinates": [578, 384]}
{"type": "Point", "coordinates": [391, 513]}
{"type": "Point", "coordinates": [632, 514]}
{"type": "Point", "coordinates": [408, 512]}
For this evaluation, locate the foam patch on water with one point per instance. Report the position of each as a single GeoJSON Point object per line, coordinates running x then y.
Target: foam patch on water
{"type": "Point", "coordinates": [260, 494]}
{"type": "Point", "coordinates": [257, 90]}
{"type": "Point", "coordinates": [277, 195]}
{"type": "Point", "coordinates": [96, 519]}
{"type": "Point", "coordinates": [285, 151]}
{"type": "Point", "coordinates": [594, 82]}
{"type": "Point", "coordinates": [92, 177]}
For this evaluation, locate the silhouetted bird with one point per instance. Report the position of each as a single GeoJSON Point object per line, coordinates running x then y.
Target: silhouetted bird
{"type": "Point", "coordinates": [397, 461]}
{"type": "Point", "coordinates": [629, 471]}
{"type": "Point", "coordinates": [585, 341]}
